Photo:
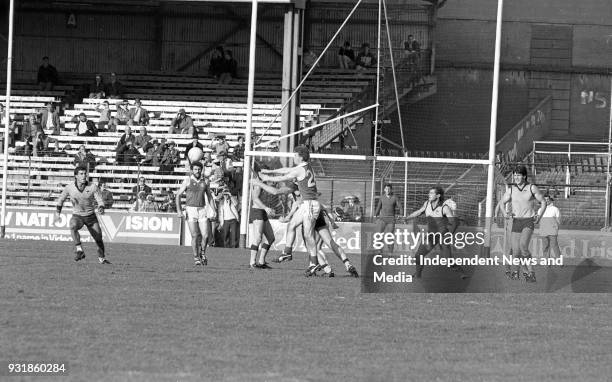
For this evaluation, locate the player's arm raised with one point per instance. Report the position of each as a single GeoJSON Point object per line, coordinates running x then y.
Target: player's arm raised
{"type": "Point", "coordinates": [540, 198]}
{"type": "Point", "coordinates": [282, 170]}
{"type": "Point", "coordinates": [283, 190]}
{"type": "Point", "coordinates": [295, 172]}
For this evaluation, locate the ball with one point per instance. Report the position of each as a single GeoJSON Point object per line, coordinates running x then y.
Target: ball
{"type": "Point", "coordinates": [195, 154]}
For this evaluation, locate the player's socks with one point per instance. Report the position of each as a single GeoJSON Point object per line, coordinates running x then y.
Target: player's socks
{"type": "Point", "coordinates": [264, 251]}
{"type": "Point", "coordinates": [347, 264]}
{"type": "Point", "coordinates": [254, 250]}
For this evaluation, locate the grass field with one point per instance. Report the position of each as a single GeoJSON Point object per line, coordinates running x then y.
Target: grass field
{"type": "Point", "coordinates": [151, 317]}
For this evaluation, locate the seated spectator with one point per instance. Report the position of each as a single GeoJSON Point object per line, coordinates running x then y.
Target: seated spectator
{"type": "Point", "coordinates": [131, 155]}
{"type": "Point", "coordinates": [84, 158]}
{"type": "Point", "coordinates": [229, 68]}
{"type": "Point", "coordinates": [122, 114]}
{"type": "Point", "coordinates": [106, 194]}
{"type": "Point", "coordinates": [153, 154]}
{"type": "Point", "coordinates": [140, 187]}
{"type": "Point", "coordinates": [50, 119]}
{"type": "Point", "coordinates": [216, 62]}
{"type": "Point", "coordinates": [217, 175]}
{"type": "Point", "coordinates": [41, 144]}
{"type": "Point", "coordinates": [169, 203]}
{"type": "Point", "coordinates": [29, 128]}
{"type": "Point", "coordinates": [170, 159]}
{"type": "Point", "coordinates": [181, 124]}
{"type": "Point", "coordinates": [352, 210]}
{"type": "Point", "coordinates": [105, 116]}
{"type": "Point", "coordinates": [412, 50]}
{"type": "Point", "coordinates": [114, 89]}
{"type": "Point", "coordinates": [122, 144]}
{"type": "Point", "coordinates": [229, 218]}
{"type": "Point", "coordinates": [86, 127]}
{"type": "Point", "coordinates": [142, 140]}
{"type": "Point", "coordinates": [97, 88]}
{"type": "Point", "coordinates": [239, 150]}
{"type": "Point", "coordinates": [346, 56]}
{"type": "Point", "coordinates": [365, 58]}
{"type": "Point", "coordinates": [47, 75]}
{"type": "Point", "coordinates": [138, 115]}
{"type": "Point", "coordinates": [113, 125]}
{"type": "Point", "coordinates": [139, 201]}
{"type": "Point", "coordinates": [308, 59]}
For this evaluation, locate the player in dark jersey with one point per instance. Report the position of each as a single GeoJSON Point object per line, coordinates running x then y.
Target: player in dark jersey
{"type": "Point", "coordinates": [521, 194]}
{"type": "Point", "coordinates": [199, 210]}
{"type": "Point", "coordinates": [440, 220]}
{"type": "Point", "coordinates": [258, 217]}
{"type": "Point", "coordinates": [306, 215]}
{"type": "Point", "coordinates": [83, 195]}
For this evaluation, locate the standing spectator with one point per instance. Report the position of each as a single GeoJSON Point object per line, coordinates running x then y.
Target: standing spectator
{"type": "Point", "coordinates": [220, 148]}
{"type": "Point", "coordinates": [41, 144]}
{"type": "Point", "coordinates": [239, 150]}
{"type": "Point", "coordinates": [106, 194]}
{"type": "Point", "coordinates": [50, 119]}
{"type": "Point", "coordinates": [114, 89]}
{"type": "Point", "coordinates": [229, 218]}
{"type": "Point", "coordinates": [346, 56]}
{"type": "Point", "coordinates": [122, 145]}
{"type": "Point", "coordinates": [216, 62]}
{"type": "Point", "coordinates": [365, 58]}
{"type": "Point", "coordinates": [123, 114]}
{"type": "Point", "coordinates": [229, 68]}
{"type": "Point", "coordinates": [138, 115]}
{"type": "Point", "coordinates": [140, 187]}
{"type": "Point", "coordinates": [105, 116]}
{"type": "Point", "coordinates": [549, 228]}
{"type": "Point", "coordinates": [412, 49]}
{"type": "Point", "coordinates": [96, 89]}
{"type": "Point", "coordinates": [181, 124]}
{"type": "Point", "coordinates": [142, 140]}
{"type": "Point", "coordinates": [170, 159]}
{"type": "Point", "coordinates": [86, 127]}
{"type": "Point", "coordinates": [84, 158]}
{"type": "Point", "coordinates": [47, 75]}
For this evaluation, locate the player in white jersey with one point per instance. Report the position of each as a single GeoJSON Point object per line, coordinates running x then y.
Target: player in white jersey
{"type": "Point", "coordinates": [82, 195]}
{"type": "Point", "coordinates": [522, 195]}
{"type": "Point", "coordinates": [440, 220]}
{"type": "Point", "coordinates": [303, 175]}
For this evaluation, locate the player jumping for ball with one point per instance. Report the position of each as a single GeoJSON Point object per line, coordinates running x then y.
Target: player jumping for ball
{"type": "Point", "coordinates": [440, 220]}
{"type": "Point", "coordinates": [198, 195]}
{"type": "Point", "coordinates": [309, 209]}
{"type": "Point", "coordinates": [83, 194]}
{"type": "Point", "coordinates": [521, 195]}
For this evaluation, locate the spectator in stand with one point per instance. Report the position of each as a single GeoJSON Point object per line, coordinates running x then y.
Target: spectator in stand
{"type": "Point", "coordinates": [346, 56]}
{"type": "Point", "coordinates": [105, 116]}
{"type": "Point", "coordinates": [29, 128]}
{"type": "Point", "coordinates": [217, 175]}
{"type": "Point", "coordinates": [140, 187]}
{"type": "Point", "coordinates": [150, 205]}
{"type": "Point", "coordinates": [50, 119]}
{"type": "Point", "coordinates": [216, 62]}
{"type": "Point", "coordinates": [308, 59]}
{"type": "Point", "coordinates": [139, 202]}
{"type": "Point", "coordinates": [114, 89]}
{"type": "Point", "coordinates": [239, 150]}
{"type": "Point", "coordinates": [113, 125]}
{"type": "Point", "coordinates": [220, 148]}
{"type": "Point", "coordinates": [41, 144]}
{"type": "Point", "coordinates": [123, 114]}
{"type": "Point", "coordinates": [229, 68]}
{"type": "Point", "coordinates": [153, 154]}
{"type": "Point", "coordinates": [228, 218]}
{"type": "Point", "coordinates": [170, 159]}
{"type": "Point", "coordinates": [181, 124]}
{"type": "Point", "coordinates": [96, 89]}
{"type": "Point", "coordinates": [84, 158]}
{"type": "Point", "coordinates": [85, 127]}
{"type": "Point", "coordinates": [412, 50]}
{"type": "Point", "coordinates": [352, 210]}
{"type": "Point", "coordinates": [122, 144]}
{"type": "Point", "coordinates": [142, 140]}
{"type": "Point", "coordinates": [169, 203]}
{"type": "Point", "coordinates": [106, 194]}
{"type": "Point", "coordinates": [131, 155]}
{"type": "Point", "coordinates": [47, 75]}
{"type": "Point", "coordinates": [138, 115]}
{"type": "Point", "coordinates": [365, 58]}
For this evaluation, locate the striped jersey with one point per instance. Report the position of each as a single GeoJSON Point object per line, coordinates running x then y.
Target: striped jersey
{"type": "Point", "coordinates": [83, 202]}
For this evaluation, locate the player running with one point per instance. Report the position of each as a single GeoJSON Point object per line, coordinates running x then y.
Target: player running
{"type": "Point", "coordinates": [309, 209]}
{"type": "Point", "coordinates": [199, 210]}
{"type": "Point", "coordinates": [440, 219]}
{"type": "Point", "coordinates": [83, 194]}
{"type": "Point", "coordinates": [521, 195]}
{"type": "Point", "coordinates": [258, 216]}
{"type": "Point", "coordinates": [323, 233]}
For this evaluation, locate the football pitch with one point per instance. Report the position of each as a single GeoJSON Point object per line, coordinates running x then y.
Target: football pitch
{"type": "Point", "coordinates": [152, 316]}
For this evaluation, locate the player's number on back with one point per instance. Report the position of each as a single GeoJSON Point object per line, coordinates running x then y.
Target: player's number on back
{"type": "Point", "coordinates": [310, 180]}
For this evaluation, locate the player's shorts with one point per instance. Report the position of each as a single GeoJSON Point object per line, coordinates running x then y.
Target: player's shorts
{"type": "Point", "coordinates": [320, 223]}
{"type": "Point", "coordinates": [258, 214]}
{"type": "Point", "coordinates": [79, 221]}
{"type": "Point", "coordinates": [519, 224]}
{"type": "Point", "coordinates": [196, 214]}
{"type": "Point", "coordinates": [308, 210]}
